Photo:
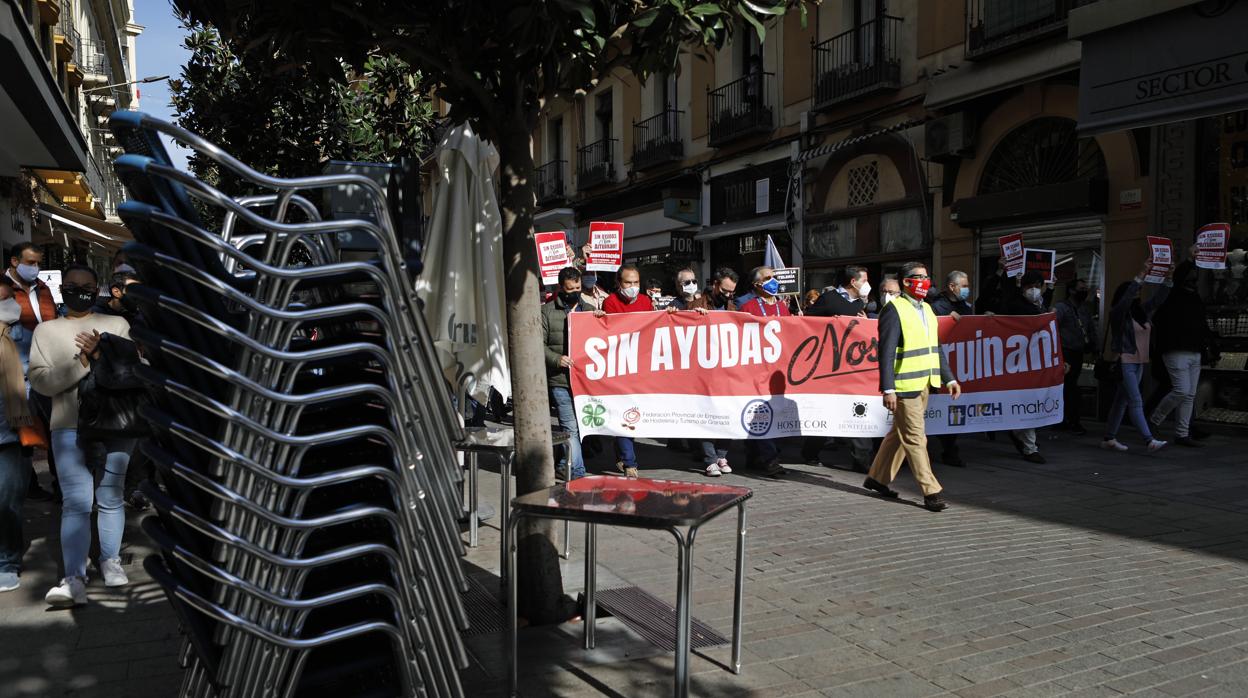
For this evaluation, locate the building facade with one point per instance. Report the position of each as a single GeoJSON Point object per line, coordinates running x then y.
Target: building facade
{"type": "Point", "coordinates": [68, 65]}
{"type": "Point", "coordinates": [889, 130]}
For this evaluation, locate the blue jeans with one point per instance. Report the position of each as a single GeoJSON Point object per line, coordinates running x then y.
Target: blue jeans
{"type": "Point", "coordinates": [562, 398]}
{"type": "Point", "coordinates": [625, 452]}
{"type": "Point", "coordinates": [713, 450]}
{"type": "Point", "coordinates": [1129, 401]}
{"type": "Point", "coordinates": [14, 479]}
{"type": "Point", "coordinates": [77, 483]}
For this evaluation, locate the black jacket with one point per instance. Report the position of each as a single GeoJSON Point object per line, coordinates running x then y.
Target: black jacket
{"type": "Point", "coordinates": [1181, 324]}
{"type": "Point", "coordinates": [942, 305]}
{"type": "Point", "coordinates": [891, 341]}
{"type": "Point", "coordinates": [832, 304]}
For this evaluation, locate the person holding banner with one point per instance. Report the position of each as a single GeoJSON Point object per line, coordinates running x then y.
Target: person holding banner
{"type": "Point", "coordinates": [764, 454]}
{"type": "Point", "coordinates": [848, 299]}
{"type": "Point", "coordinates": [911, 365]}
{"type": "Point", "coordinates": [953, 301]}
{"type": "Point", "coordinates": [686, 289]}
{"type": "Point", "coordinates": [1131, 328]}
{"type": "Point", "coordinates": [626, 299]}
{"type": "Point", "coordinates": [720, 296]}
{"type": "Point", "coordinates": [555, 330]}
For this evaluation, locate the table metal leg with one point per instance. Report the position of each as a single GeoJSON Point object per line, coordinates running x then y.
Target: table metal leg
{"type": "Point", "coordinates": [512, 606]}
{"type": "Point", "coordinates": [504, 469]}
{"type": "Point", "coordinates": [684, 594]}
{"type": "Point", "coordinates": [567, 525]}
{"type": "Point", "coordinates": [591, 584]}
{"type": "Point", "coordinates": [474, 501]}
{"type": "Point", "coordinates": [738, 590]}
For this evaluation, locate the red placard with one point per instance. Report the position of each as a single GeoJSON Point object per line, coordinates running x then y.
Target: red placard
{"type": "Point", "coordinates": [606, 247]}
{"type": "Point", "coordinates": [1160, 260]}
{"type": "Point", "coordinates": [1043, 261]}
{"type": "Point", "coordinates": [1211, 243]}
{"type": "Point", "coordinates": [552, 255]}
{"type": "Point", "coordinates": [1012, 253]}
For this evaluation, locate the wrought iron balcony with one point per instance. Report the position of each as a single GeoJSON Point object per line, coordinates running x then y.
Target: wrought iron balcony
{"type": "Point", "coordinates": [548, 181]}
{"type": "Point", "coordinates": [858, 62]}
{"type": "Point", "coordinates": [657, 140]}
{"type": "Point", "coordinates": [993, 26]}
{"type": "Point", "coordinates": [741, 108]}
{"type": "Point", "coordinates": [595, 164]}
{"type": "Point", "coordinates": [92, 60]}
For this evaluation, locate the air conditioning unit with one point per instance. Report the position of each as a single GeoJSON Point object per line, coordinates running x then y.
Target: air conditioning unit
{"type": "Point", "coordinates": [950, 137]}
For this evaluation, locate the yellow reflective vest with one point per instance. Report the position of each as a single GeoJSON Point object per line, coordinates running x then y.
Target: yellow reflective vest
{"type": "Point", "coordinates": [918, 358]}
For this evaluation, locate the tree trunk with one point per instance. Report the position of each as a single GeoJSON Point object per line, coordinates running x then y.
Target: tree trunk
{"type": "Point", "coordinates": [541, 598]}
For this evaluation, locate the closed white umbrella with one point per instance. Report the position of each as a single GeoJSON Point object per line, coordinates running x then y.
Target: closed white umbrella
{"type": "Point", "coordinates": [462, 281]}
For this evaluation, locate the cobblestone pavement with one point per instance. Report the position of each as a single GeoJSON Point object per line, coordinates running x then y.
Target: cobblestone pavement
{"type": "Point", "coordinates": [1096, 574]}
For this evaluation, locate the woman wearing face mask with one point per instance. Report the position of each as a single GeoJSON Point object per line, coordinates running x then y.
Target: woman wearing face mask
{"type": "Point", "coordinates": [14, 474]}
{"type": "Point", "coordinates": [60, 357]}
{"type": "Point", "coordinates": [1130, 326]}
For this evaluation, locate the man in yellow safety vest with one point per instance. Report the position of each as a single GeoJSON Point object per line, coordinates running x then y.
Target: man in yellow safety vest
{"type": "Point", "coordinates": [911, 366]}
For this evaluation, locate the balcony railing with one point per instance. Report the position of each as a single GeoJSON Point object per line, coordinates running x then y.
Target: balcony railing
{"type": "Point", "coordinates": [993, 26]}
{"type": "Point", "coordinates": [92, 59]}
{"type": "Point", "coordinates": [66, 36]}
{"type": "Point", "coordinates": [548, 181]}
{"type": "Point", "coordinates": [741, 108]}
{"type": "Point", "coordinates": [657, 140]}
{"type": "Point", "coordinates": [858, 62]}
{"type": "Point", "coordinates": [595, 164]}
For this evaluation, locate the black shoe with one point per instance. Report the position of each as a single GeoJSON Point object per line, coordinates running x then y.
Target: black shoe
{"type": "Point", "coordinates": [953, 461]}
{"type": "Point", "coordinates": [880, 489]}
{"type": "Point", "coordinates": [934, 502]}
{"type": "Point", "coordinates": [137, 501]}
{"type": "Point", "coordinates": [1076, 429]}
{"type": "Point", "coordinates": [815, 462]}
{"type": "Point", "coordinates": [774, 469]}
{"type": "Point", "coordinates": [37, 493]}
{"type": "Point", "coordinates": [1188, 441]}
{"type": "Point", "coordinates": [1035, 458]}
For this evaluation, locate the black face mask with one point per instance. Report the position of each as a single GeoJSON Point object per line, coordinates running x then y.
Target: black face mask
{"type": "Point", "coordinates": [1079, 297]}
{"type": "Point", "coordinates": [571, 299]}
{"type": "Point", "coordinates": [130, 303]}
{"type": "Point", "coordinates": [78, 299]}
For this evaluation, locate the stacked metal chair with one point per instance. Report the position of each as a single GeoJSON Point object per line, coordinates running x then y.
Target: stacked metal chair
{"type": "Point", "coordinates": [303, 437]}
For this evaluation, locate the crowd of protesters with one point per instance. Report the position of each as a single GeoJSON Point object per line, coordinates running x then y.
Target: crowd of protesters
{"type": "Point", "coordinates": [1169, 321]}
{"type": "Point", "coordinates": [47, 349]}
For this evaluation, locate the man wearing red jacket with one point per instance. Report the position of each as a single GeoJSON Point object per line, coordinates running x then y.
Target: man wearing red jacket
{"type": "Point", "coordinates": [627, 298]}
{"type": "Point", "coordinates": [35, 299]}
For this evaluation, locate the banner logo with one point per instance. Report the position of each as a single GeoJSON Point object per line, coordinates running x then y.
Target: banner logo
{"type": "Point", "coordinates": [860, 409]}
{"type": "Point", "coordinates": [756, 417]}
{"type": "Point", "coordinates": [594, 414]}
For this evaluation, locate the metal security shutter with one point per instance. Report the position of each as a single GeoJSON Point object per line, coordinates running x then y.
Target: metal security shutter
{"type": "Point", "coordinates": [1086, 232]}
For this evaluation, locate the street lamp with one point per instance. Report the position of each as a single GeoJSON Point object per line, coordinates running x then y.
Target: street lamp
{"type": "Point", "coordinates": [155, 78]}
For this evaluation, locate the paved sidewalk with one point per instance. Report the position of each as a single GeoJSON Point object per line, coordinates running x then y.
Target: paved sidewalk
{"type": "Point", "coordinates": [1096, 574]}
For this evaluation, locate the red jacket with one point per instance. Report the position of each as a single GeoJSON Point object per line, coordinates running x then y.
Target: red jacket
{"type": "Point", "coordinates": [47, 306]}
{"type": "Point", "coordinates": [756, 306]}
{"type": "Point", "coordinates": [614, 304]}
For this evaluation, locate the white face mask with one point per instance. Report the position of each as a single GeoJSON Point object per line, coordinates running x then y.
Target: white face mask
{"type": "Point", "coordinates": [690, 288]}
{"type": "Point", "coordinates": [1034, 295]}
{"type": "Point", "coordinates": [10, 311]}
{"type": "Point", "coordinates": [864, 290]}
{"type": "Point", "coordinates": [888, 297]}
{"type": "Point", "coordinates": [630, 293]}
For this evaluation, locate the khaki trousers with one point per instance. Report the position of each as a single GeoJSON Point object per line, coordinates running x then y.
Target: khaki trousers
{"type": "Point", "coordinates": [907, 441]}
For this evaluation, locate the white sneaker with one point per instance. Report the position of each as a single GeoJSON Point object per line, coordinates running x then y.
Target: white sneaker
{"type": "Point", "coordinates": [9, 581]}
{"type": "Point", "coordinates": [713, 470]}
{"type": "Point", "coordinates": [1113, 445]}
{"type": "Point", "coordinates": [72, 591]}
{"type": "Point", "coordinates": [114, 575]}
{"type": "Point", "coordinates": [1156, 445]}
{"type": "Point", "coordinates": [723, 466]}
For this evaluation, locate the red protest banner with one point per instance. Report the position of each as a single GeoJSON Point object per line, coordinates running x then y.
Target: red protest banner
{"type": "Point", "coordinates": [552, 255]}
{"type": "Point", "coordinates": [606, 247]}
{"type": "Point", "coordinates": [1211, 243]}
{"type": "Point", "coordinates": [736, 376]}
{"type": "Point", "coordinates": [1043, 261]}
{"type": "Point", "coordinates": [1012, 253]}
{"type": "Point", "coordinates": [1160, 260]}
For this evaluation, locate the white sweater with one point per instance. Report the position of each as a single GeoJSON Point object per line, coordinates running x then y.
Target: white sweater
{"type": "Point", "coordinates": [53, 369]}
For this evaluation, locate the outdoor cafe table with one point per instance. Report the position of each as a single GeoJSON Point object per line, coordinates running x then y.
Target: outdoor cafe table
{"type": "Point", "coordinates": [502, 442]}
{"type": "Point", "coordinates": [665, 505]}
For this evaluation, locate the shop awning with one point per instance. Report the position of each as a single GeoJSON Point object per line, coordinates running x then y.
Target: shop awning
{"type": "Point", "coordinates": [1025, 65]}
{"type": "Point", "coordinates": [1183, 64]}
{"type": "Point", "coordinates": [39, 130]}
{"type": "Point", "coordinates": [753, 225]}
{"type": "Point", "coordinates": [86, 227]}
{"type": "Point", "coordinates": [855, 140]}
